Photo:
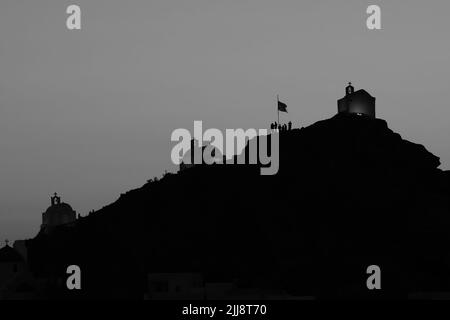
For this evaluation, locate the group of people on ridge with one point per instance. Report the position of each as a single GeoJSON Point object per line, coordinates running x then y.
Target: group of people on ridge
{"type": "Point", "coordinates": [281, 127]}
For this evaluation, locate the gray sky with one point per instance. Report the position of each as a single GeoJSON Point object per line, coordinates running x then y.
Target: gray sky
{"type": "Point", "coordinates": [89, 113]}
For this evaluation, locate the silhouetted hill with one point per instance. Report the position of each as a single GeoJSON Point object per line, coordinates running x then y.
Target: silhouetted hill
{"type": "Point", "coordinates": [349, 193]}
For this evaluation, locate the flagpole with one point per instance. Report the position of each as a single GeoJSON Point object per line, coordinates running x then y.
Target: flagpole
{"type": "Point", "coordinates": [278, 109]}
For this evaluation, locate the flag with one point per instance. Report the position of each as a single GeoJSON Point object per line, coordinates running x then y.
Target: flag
{"type": "Point", "coordinates": [282, 106]}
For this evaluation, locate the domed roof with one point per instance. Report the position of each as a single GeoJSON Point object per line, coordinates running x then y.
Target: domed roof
{"type": "Point", "coordinates": [362, 92]}
{"type": "Point", "coordinates": [8, 254]}
{"type": "Point", "coordinates": [60, 208]}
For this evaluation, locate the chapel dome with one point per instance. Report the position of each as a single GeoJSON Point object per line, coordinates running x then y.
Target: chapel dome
{"type": "Point", "coordinates": [59, 208]}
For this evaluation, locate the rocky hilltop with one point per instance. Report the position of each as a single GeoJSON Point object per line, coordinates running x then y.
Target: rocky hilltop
{"type": "Point", "coordinates": [349, 193]}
